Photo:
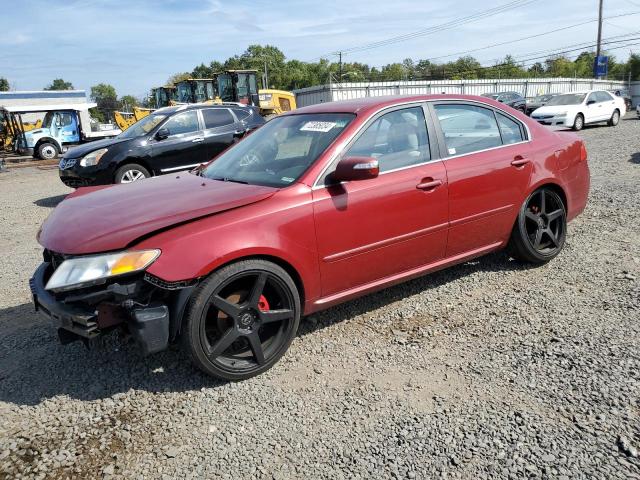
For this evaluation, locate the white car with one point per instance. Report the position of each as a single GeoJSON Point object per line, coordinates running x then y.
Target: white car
{"type": "Point", "coordinates": [577, 109]}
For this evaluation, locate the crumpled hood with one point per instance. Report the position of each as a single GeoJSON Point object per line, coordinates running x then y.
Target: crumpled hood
{"type": "Point", "coordinates": [99, 219]}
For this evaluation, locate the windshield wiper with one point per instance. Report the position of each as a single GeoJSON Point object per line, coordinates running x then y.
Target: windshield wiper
{"type": "Point", "coordinates": [227, 179]}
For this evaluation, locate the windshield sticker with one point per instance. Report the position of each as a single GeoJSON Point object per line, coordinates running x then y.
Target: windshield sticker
{"type": "Point", "coordinates": [452, 151]}
{"type": "Point", "coordinates": [287, 179]}
{"type": "Point", "coordinates": [317, 127]}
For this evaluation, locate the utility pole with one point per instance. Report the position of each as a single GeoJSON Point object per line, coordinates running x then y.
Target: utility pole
{"type": "Point", "coordinates": [599, 44]}
{"type": "Point", "coordinates": [266, 75]}
{"type": "Point", "coordinates": [340, 68]}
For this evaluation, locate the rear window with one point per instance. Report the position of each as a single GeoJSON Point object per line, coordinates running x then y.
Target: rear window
{"type": "Point", "coordinates": [217, 117]}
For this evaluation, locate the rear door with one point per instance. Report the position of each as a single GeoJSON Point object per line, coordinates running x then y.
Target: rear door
{"type": "Point", "coordinates": [221, 128]}
{"type": "Point", "coordinates": [184, 148]}
{"type": "Point", "coordinates": [373, 229]}
{"type": "Point", "coordinates": [487, 158]}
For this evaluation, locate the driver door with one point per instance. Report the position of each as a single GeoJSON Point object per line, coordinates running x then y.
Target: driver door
{"type": "Point", "coordinates": [374, 229]}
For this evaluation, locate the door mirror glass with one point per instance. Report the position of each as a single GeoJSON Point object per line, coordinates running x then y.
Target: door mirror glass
{"type": "Point", "coordinates": [591, 102]}
{"type": "Point", "coordinates": [356, 168]}
{"type": "Point", "coordinates": [162, 134]}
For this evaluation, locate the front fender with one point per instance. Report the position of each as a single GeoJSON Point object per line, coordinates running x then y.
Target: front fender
{"type": "Point", "coordinates": [280, 227]}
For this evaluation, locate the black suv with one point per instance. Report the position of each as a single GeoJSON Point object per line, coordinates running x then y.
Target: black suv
{"type": "Point", "coordinates": [513, 99]}
{"type": "Point", "coordinates": [167, 140]}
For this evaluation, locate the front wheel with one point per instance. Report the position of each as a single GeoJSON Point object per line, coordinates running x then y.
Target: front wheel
{"type": "Point", "coordinates": [578, 123]}
{"type": "Point", "coordinates": [541, 228]}
{"type": "Point", "coordinates": [242, 319]}
{"type": "Point", "coordinates": [131, 172]}
{"type": "Point", "coordinates": [47, 151]}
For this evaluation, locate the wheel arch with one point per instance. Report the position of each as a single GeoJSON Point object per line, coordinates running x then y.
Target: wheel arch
{"type": "Point", "coordinates": [48, 140]}
{"type": "Point", "coordinates": [551, 185]}
{"type": "Point", "coordinates": [281, 262]}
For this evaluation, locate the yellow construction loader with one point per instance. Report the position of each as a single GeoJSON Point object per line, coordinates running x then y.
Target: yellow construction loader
{"type": "Point", "coordinates": [275, 102]}
{"type": "Point", "coordinates": [7, 131]}
{"type": "Point", "coordinates": [125, 119]}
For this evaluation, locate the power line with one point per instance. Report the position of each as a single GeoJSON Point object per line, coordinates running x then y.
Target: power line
{"type": "Point", "coordinates": [437, 28]}
{"type": "Point", "coordinates": [465, 52]}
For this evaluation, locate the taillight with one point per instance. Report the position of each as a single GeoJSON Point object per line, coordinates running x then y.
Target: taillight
{"type": "Point", "coordinates": [583, 152]}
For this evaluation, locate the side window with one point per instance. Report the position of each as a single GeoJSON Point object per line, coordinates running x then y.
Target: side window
{"type": "Point", "coordinates": [242, 113]}
{"type": "Point", "coordinates": [217, 117]}
{"type": "Point", "coordinates": [593, 97]}
{"type": "Point", "coordinates": [184, 122]}
{"type": "Point", "coordinates": [509, 129]}
{"type": "Point", "coordinates": [604, 97]}
{"type": "Point", "coordinates": [467, 128]}
{"type": "Point", "coordinates": [397, 139]}
{"type": "Point", "coordinates": [64, 119]}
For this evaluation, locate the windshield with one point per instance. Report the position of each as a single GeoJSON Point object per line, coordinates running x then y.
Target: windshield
{"type": "Point", "coordinates": [567, 99]}
{"type": "Point", "coordinates": [48, 118]}
{"type": "Point", "coordinates": [278, 153]}
{"type": "Point", "coordinates": [143, 126]}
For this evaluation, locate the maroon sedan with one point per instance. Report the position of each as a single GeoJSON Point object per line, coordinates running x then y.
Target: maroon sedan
{"type": "Point", "coordinates": [317, 207]}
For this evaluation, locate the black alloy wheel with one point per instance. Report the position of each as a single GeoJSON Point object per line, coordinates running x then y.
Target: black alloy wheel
{"type": "Point", "coordinates": [540, 231]}
{"type": "Point", "coordinates": [242, 319]}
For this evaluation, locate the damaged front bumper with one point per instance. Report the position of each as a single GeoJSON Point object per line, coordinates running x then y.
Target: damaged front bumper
{"type": "Point", "coordinates": [150, 313]}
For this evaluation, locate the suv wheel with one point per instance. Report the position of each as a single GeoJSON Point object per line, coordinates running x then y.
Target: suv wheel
{"type": "Point", "coordinates": [131, 172]}
{"type": "Point", "coordinates": [242, 319]}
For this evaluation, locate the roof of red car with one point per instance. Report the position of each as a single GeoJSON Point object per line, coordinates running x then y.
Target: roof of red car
{"type": "Point", "coordinates": [362, 105]}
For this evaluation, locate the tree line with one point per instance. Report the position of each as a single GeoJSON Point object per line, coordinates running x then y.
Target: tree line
{"type": "Point", "coordinates": [293, 74]}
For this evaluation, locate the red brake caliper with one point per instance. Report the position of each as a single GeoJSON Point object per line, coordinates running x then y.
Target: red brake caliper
{"type": "Point", "coordinates": [263, 305]}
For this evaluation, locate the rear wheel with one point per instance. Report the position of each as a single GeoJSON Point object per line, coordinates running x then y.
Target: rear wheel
{"type": "Point", "coordinates": [540, 231]}
{"type": "Point", "coordinates": [615, 118]}
{"type": "Point", "coordinates": [131, 172]}
{"type": "Point", "coordinates": [47, 151]}
{"type": "Point", "coordinates": [242, 319]}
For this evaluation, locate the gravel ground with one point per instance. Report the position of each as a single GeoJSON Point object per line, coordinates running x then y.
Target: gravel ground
{"type": "Point", "coordinates": [486, 370]}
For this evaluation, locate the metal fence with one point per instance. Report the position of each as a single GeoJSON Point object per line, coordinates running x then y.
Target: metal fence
{"type": "Point", "coordinates": [528, 87]}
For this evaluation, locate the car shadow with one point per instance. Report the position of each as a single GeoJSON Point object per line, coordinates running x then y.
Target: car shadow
{"type": "Point", "coordinates": [635, 158]}
{"type": "Point", "coordinates": [50, 202]}
{"type": "Point", "coordinates": [35, 367]}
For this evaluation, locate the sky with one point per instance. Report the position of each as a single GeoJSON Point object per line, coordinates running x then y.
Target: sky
{"type": "Point", "coordinates": [137, 44]}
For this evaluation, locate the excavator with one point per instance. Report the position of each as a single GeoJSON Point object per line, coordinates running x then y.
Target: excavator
{"type": "Point", "coordinates": [125, 119]}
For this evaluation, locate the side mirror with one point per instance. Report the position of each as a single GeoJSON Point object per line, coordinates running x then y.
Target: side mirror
{"type": "Point", "coordinates": [356, 168]}
{"type": "Point", "coordinates": [162, 134]}
{"type": "Point", "coordinates": [591, 102]}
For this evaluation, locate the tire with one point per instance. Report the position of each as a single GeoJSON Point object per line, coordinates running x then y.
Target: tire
{"type": "Point", "coordinates": [47, 151]}
{"type": "Point", "coordinates": [540, 230]}
{"type": "Point", "coordinates": [131, 172]}
{"type": "Point", "coordinates": [615, 118]}
{"type": "Point", "coordinates": [578, 123]}
{"type": "Point", "coordinates": [241, 320]}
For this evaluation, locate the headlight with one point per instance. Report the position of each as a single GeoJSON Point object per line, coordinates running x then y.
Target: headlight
{"type": "Point", "coordinates": [561, 114]}
{"type": "Point", "coordinates": [97, 268]}
{"type": "Point", "coordinates": [91, 159]}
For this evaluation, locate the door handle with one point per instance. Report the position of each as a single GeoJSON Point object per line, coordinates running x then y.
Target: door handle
{"type": "Point", "coordinates": [519, 161]}
{"type": "Point", "coordinates": [196, 140]}
{"type": "Point", "coordinates": [429, 185]}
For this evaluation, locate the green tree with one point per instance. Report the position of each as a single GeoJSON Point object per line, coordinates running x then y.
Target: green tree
{"type": "Point", "coordinates": [4, 84]}
{"type": "Point", "coordinates": [59, 84]}
{"type": "Point", "coordinates": [178, 77]}
{"type": "Point", "coordinates": [127, 102]}
{"type": "Point", "coordinates": [106, 98]}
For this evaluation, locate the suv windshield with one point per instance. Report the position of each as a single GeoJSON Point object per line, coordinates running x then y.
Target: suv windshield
{"type": "Point", "coordinates": [278, 153]}
{"type": "Point", "coordinates": [567, 99]}
{"type": "Point", "coordinates": [143, 126]}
